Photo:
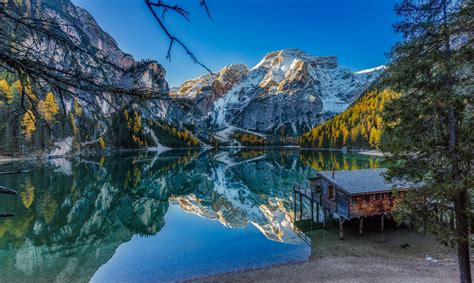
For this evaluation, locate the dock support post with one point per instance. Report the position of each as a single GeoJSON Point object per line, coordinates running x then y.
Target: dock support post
{"type": "Point", "coordinates": [324, 218]}
{"type": "Point", "coordinates": [294, 194]}
{"type": "Point", "coordinates": [317, 212]}
{"type": "Point", "coordinates": [382, 223]}
{"type": "Point", "coordinates": [361, 225]}
{"type": "Point", "coordinates": [312, 213]}
{"type": "Point", "coordinates": [341, 228]}
{"type": "Point", "coordinates": [301, 207]}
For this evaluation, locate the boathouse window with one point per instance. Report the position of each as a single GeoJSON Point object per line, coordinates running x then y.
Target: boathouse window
{"type": "Point", "coordinates": [331, 192]}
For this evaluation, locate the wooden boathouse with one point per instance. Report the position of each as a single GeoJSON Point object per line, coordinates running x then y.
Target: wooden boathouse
{"type": "Point", "coordinates": [351, 194]}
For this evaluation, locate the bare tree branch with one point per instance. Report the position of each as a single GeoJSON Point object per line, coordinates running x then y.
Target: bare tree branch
{"type": "Point", "coordinates": [185, 14]}
{"type": "Point", "coordinates": [6, 215]}
{"type": "Point", "coordinates": [7, 191]}
{"type": "Point", "coordinates": [206, 8]}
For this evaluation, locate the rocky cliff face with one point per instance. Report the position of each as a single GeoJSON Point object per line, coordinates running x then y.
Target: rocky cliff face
{"type": "Point", "coordinates": [106, 60]}
{"type": "Point", "coordinates": [205, 90]}
{"type": "Point", "coordinates": [286, 93]}
{"type": "Point", "coordinates": [88, 121]}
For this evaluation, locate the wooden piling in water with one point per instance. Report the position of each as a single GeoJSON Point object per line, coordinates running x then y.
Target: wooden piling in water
{"type": "Point", "coordinates": [361, 225]}
{"type": "Point", "coordinates": [301, 207]}
{"type": "Point", "coordinates": [382, 220]}
{"type": "Point", "coordinates": [294, 198]}
{"type": "Point", "coordinates": [324, 218]}
{"type": "Point", "coordinates": [317, 212]}
{"type": "Point", "coordinates": [341, 228]}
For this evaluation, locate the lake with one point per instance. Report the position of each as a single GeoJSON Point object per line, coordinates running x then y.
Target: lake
{"type": "Point", "coordinates": [144, 216]}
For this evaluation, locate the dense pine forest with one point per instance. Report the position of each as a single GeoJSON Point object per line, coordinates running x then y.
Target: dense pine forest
{"type": "Point", "coordinates": [360, 126]}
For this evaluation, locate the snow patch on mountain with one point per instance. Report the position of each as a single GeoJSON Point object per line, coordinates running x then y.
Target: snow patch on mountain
{"type": "Point", "coordinates": [371, 70]}
{"type": "Point", "coordinates": [291, 91]}
{"type": "Point", "coordinates": [286, 94]}
{"type": "Point", "coordinates": [62, 147]}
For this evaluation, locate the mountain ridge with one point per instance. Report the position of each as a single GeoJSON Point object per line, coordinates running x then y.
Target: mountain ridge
{"type": "Point", "coordinates": [286, 94]}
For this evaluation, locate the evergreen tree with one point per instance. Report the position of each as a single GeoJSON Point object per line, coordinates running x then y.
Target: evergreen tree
{"type": "Point", "coordinates": [429, 134]}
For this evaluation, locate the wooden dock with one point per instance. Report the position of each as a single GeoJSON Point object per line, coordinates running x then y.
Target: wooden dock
{"type": "Point", "coordinates": [349, 194]}
{"type": "Point", "coordinates": [302, 192]}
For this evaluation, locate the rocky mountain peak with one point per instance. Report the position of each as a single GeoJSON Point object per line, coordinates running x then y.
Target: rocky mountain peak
{"type": "Point", "coordinates": [284, 59]}
{"type": "Point", "coordinates": [217, 82]}
{"type": "Point", "coordinates": [289, 91]}
{"type": "Point", "coordinates": [206, 89]}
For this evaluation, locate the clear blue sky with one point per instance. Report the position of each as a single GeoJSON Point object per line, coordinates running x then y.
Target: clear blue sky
{"type": "Point", "coordinates": [358, 32]}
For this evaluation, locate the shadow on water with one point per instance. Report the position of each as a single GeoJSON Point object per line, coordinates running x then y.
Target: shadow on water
{"type": "Point", "coordinates": [73, 214]}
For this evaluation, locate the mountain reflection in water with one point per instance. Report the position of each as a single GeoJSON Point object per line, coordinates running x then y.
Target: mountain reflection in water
{"type": "Point", "coordinates": [77, 216]}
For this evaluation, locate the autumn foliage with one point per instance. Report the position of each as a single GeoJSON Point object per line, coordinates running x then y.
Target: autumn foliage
{"type": "Point", "coordinates": [48, 107]}
{"type": "Point", "coordinates": [28, 122]}
{"type": "Point", "coordinates": [360, 126]}
{"type": "Point", "coordinates": [184, 136]}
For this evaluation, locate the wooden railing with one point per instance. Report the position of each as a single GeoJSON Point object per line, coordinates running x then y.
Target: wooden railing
{"type": "Point", "coordinates": [306, 191]}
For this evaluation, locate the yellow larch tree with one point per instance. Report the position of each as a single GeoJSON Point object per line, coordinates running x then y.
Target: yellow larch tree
{"type": "Point", "coordinates": [77, 108]}
{"type": "Point", "coordinates": [101, 142]}
{"type": "Point", "coordinates": [137, 122]}
{"type": "Point", "coordinates": [16, 87]}
{"type": "Point", "coordinates": [28, 195]}
{"type": "Point", "coordinates": [6, 91]}
{"type": "Point", "coordinates": [374, 138]}
{"type": "Point", "coordinates": [48, 107]}
{"type": "Point", "coordinates": [28, 122]}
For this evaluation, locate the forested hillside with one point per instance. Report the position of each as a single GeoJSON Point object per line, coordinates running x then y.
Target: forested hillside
{"type": "Point", "coordinates": [70, 94]}
{"type": "Point", "coordinates": [42, 124]}
{"type": "Point", "coordinates": [22, 125]}
{"type": "Point", "coordinates": [360, 126]}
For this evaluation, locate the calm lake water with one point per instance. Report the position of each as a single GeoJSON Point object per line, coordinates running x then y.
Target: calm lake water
{"type": "Point", "coordinates": [144, 216]}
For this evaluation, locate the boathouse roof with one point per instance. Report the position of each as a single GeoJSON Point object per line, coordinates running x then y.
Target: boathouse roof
{"type": "Point", "coordinates": [363, 181]}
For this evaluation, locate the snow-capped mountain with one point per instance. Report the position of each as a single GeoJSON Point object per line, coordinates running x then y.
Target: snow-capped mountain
{"type": "Point", "coordinates": [206, 89]}
{"type": "Point", "coordinates": [285, 94]}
